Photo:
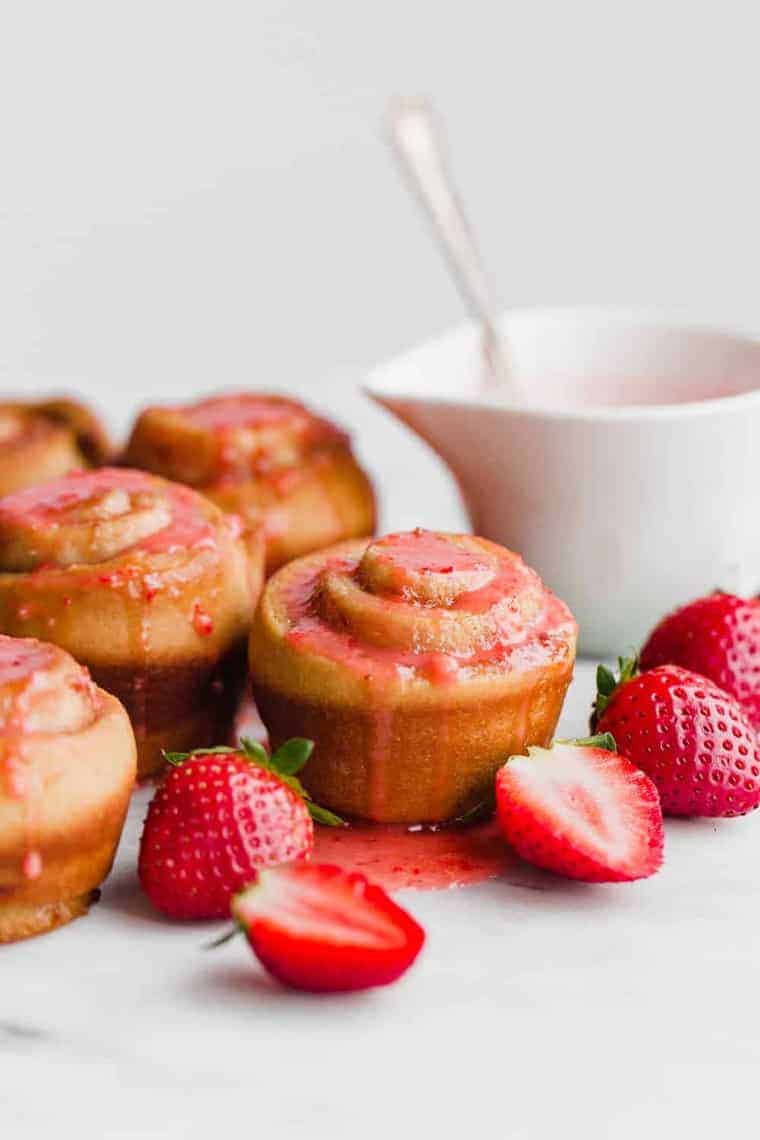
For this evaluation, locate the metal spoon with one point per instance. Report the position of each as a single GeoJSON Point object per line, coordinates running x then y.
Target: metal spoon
{"type": "Point", "coordinates": [417, 139]}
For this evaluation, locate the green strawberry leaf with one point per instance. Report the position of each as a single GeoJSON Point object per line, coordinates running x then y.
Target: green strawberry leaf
{"type": "Point", "coordinates": [255, 751]}
{"type": "Point", "coordinates": [605, 681]}
{"type": "Point", "coordinates": [323, 816]}
{"type": "Point", "coordinates": [178, 758]}
{"type": "Point", "coordinates": [607, 684]}
{"type": "Point", "coordinates": [603, 740]}
{"type": "Point", "coordinates": [291, 756]}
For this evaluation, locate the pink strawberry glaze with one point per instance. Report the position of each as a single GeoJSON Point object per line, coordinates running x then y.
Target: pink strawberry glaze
{"type": "Point", "coordinates": [19, 658]}
{"type": "Point", "coordinates": [40, 507]}
{"type": "Point", "coordinates": [425, 551]}
{"type": "Point", "coordinates": [339, 608]}
{"type": "Point", "coordinates": [21, 662]}
{"type": "Point", "coordinates": [524, 646]}
{"type": "Point", "coordinates": [223, 415]}
{"type": "Point", "coordinates": [242, 409]}
{"type": "Point", "coordinates": [428, 859]}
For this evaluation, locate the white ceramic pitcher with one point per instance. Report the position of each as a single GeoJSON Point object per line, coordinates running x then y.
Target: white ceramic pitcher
{"type": "Point", "coordinates": [628, 474]}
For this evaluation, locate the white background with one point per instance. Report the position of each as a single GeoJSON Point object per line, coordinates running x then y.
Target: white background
{"type": "Point", "coordinates": [196, 196]}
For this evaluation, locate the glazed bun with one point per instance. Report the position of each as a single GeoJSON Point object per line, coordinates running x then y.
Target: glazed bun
{"type": "Point", "coordinates": [417, 663]}
{"type": "Point", "coordinates": [267, 459]}
{"type": "Point", "coordinates": [148, 584]}
{"type": "Point", "coordinates": [41, 440]}
{"type": "Point", "coordinates": [67, 768]}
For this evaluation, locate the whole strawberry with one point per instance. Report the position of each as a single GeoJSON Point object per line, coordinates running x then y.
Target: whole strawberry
{"type": "Point", "coordinates": [690, 737]}
{"type": "Point", "coordinates": [719, 637]}
{"type": "Point", "coordinates": [218, 816]}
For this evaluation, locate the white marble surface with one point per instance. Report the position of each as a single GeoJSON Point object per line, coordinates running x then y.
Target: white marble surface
{"type": "Point", "coordinates": [539, 1008]}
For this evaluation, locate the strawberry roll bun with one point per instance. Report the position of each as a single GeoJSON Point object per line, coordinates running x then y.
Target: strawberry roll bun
{"type": "Point", "coordinates": [144, 581]}
{"type": "Point", "coordinates": [417, 663]}
{"type": "Point", "coordinates": [266, 458]}
{"type": "Point", "coordinates": [67, 767]}
{"type": "Point", "coordinates": [40, 440]}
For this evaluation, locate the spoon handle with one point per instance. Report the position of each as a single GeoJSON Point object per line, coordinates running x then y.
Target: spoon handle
{"type": "Point", "coordinates": [417, 140]}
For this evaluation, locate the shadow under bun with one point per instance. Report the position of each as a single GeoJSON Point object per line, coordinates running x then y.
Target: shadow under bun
{"type": "Point", "coordinates": [67, 768]}
{"type": "Point", "coordinates": [144, 581]}
{"type": "Point", "coordinates": [417, 663]}
{"type": "Point", "coordinates": [41, 440]}
{"type": "Point", "coordinates": [266, 458]}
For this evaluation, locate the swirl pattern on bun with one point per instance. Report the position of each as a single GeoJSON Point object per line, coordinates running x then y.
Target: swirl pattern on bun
{"type": "Point", "coordinates": [147, 583]}
{"type": "Point", "coordinates": [417, 663]}
{"type": "Point", "coordinates": [266, 458]}
{"type": "Point", "coordinates": [67, 767]}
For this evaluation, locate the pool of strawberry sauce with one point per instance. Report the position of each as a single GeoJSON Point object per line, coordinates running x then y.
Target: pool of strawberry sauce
{"type": "Point", "coordinates": [397, 856]}
{"type": "Point", "coordinates": [426, 858]}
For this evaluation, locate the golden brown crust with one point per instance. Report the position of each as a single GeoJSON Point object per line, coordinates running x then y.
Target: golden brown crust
{"type": "Point", "coordinates": [182, 706]}
{"type": "Point", "coordinates": [158, 620]}
{"type": "Point", "coordinates": [89, 431]}
{"type": "Point", "coordinates": [20, 920]}
{"type": "Point", "coordinates": [266, 458]}
{"type": "Point", "coordinates": [67, 768]}
{"type": "Point", "coordinates": [416, 676]}
{"type": "Point", "coordinates": [41, 440]}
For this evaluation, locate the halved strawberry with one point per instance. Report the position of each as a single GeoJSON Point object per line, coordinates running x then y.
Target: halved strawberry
{"type": "Point", "coordinates": [318, 927]}
{"type": "Point", "coordinates": [581, 810]}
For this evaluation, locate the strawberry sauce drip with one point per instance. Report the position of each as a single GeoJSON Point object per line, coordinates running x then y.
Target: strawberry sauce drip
{"type": "Point", "coordinates": [203, 623]}
{"type": "Point", "coordinates": [420, 609]}
{"type": "Point", "coordinates": [429, 859]}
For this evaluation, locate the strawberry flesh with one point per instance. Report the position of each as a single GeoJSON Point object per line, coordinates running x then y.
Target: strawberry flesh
{"type": "Point", "coordinates": [317, 927]}
{"type": "Point", "coordinates": [582, 812]}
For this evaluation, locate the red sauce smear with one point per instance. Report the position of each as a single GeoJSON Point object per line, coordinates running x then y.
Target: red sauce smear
{"type": "Point", "coordinates": [424, 859]}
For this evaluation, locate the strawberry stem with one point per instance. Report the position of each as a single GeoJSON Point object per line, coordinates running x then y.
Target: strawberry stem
{"type": "Point", "coordinates": [289, 759]}
{"type": "Point", "coordinates": [607, 684]}
{"type": "Point", "coordinates": [603, 740]}
{"type": "Point", "coordinates": [226, 937]}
